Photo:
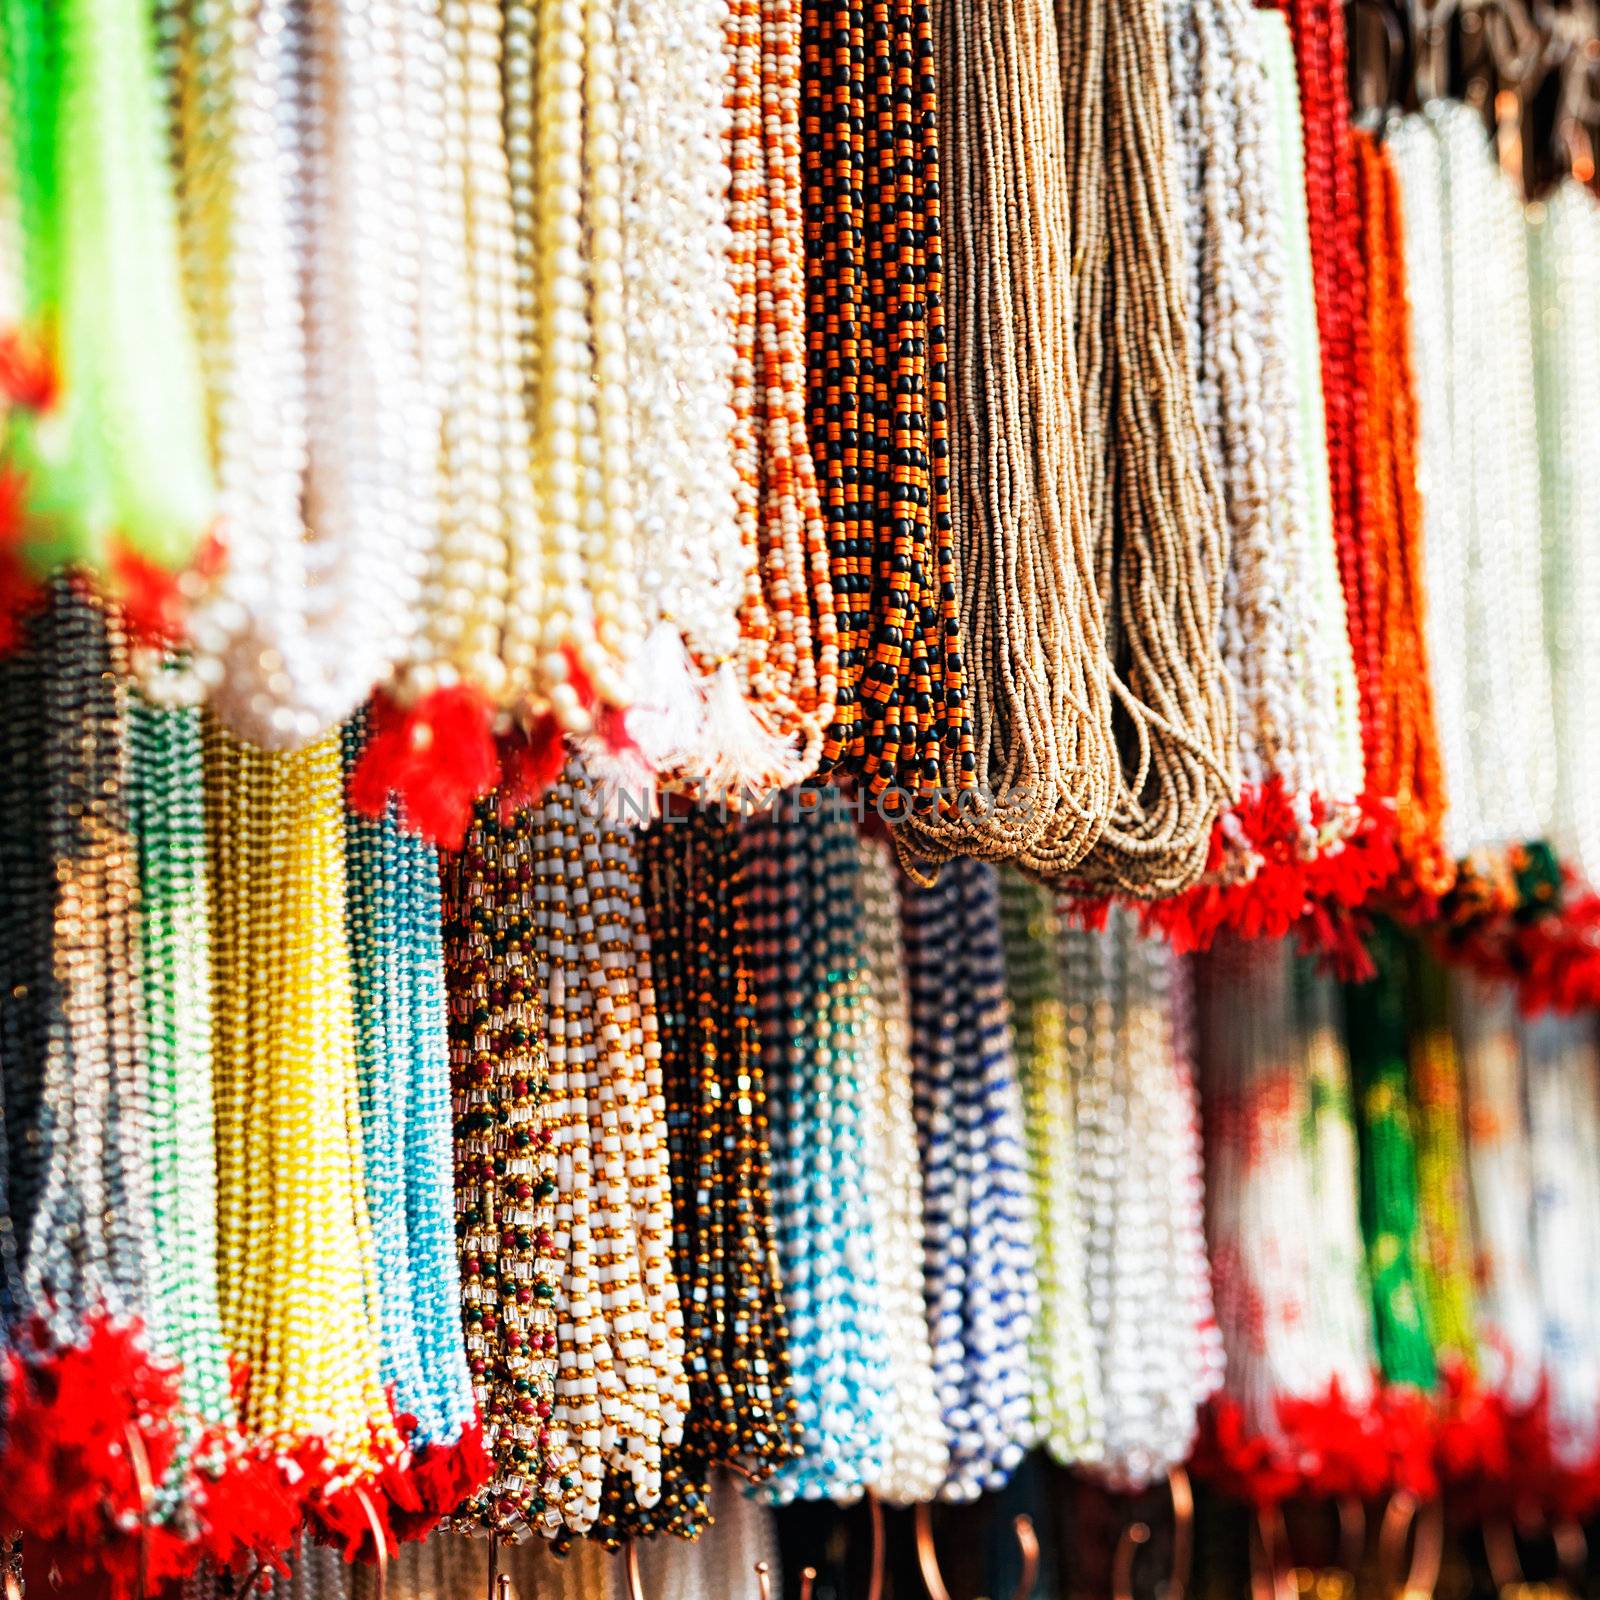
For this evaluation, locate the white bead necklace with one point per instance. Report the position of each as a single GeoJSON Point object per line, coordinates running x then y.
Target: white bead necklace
{"type": "Point", "coordinates": [680, 309]}
{"type": "Point", "coordinates": [1564, 263]}
{"type": "Point", "coordinates": [1478, 476]}
{"type": "Point", "coordinates": [304, 196]}
{"type": "Point", "coordinates": [916, 1455]}
{"type": "Point", "coordinates": [1281, 648]}
{"type": "Point", "coordinates": [1145, 1271]}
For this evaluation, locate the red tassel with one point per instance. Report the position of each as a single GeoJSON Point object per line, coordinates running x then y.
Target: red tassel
{"type": "Point", "coordinates": [27, 374]}
{"type": "Point", "coordinates": [530, 763]}
{"type": "Point", "coordinates": [436, 758]}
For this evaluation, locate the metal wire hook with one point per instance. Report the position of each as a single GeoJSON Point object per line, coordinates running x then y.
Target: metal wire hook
{"type": "Point", "coordinates": [928, 1555]}
{"type": "Point", "coordinates": [1427, 1552]}
{"type": "Point", "coordinates": [1138, 1533]}
{"type": "Point", "coordinates": [379, 1542]}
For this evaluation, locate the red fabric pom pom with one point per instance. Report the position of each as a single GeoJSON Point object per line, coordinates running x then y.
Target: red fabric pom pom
{"type": "Point", "coordinates": [436, 758]}
{"type": "Point", "coordinates": [530, 763]}
{"type": "Point", "coordinates": [27, 374]}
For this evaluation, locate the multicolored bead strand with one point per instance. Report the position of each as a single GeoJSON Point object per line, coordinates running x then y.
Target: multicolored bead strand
{"type": "Point", "coordinates": [621, 1389]}
{"type": "Point", "coordinates": [979, 1279]}
{"type": "Point", "coordinates": [1066, 1375]}
{"type": "Point", "coordinates": [696, 893]}
{"type": "Point", "coordinates": [807, 950]}
{"type": "Point", "coordinates": [295, 1256]}
{"type": "Point", "coordinates": [393, 922]}
{"type": "Point", "coordinates": [505, 1173]}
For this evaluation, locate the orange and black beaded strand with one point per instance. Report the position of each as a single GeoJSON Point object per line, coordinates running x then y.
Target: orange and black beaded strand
{"type": "Point", "coordinates": [740, 1414]}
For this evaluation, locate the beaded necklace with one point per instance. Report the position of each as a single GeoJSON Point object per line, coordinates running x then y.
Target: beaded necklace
{"type": "Point", "coordinates": [167, 816]}
{"type": "Point", "coordinates": [1375, 1018]}
{"type": "Point", "coordinates": [101, 415]}
{"type": "Point", "coordinates": [877, 388]}
{"type": "Point", "coordinates": [304, 164]}
{"type": "Point", "coordinates": [1563, 257]}
{"type": "Point", "coordinates": [1445, 1250]}
{"type": "Point", "coordinates": [1066, 1378]}
{"type": "Point", "coordinates": [916, 1454]}
{"type": "Point", "coordinates": [979, 1279]}
{"type": "Point", "coordinates": [1285, 1255]}
{"type": "Point", "coordinates": [1403, 760]}
{"type": "Point", "coordinates": [505, 1173]}
{"type": "Point", "coordinates": [807, 951]}
{"type": "Point", "coordinates": [393, 921]}
{"type": "Point", "coordinates": [1500, 1175]}
{"type": "Point", "coordinates": [1160, 531]}
{"type": "Point", "coordinates": [295, 1256]}
{"type": "Point", "coordinates": [82, 1376]}
{"type": "Point", "coordinates": [789, 636]}
{"type": "Point", "coordinates": [1030, 615]}
{"type": "Point", "coordinates": [1285, 647]}
{"type": "Point", "coordinates": [1318, 29]}
{"type": "Point", "coordinates": [1155, 1339]}
{"type": "Point", "coordinates": [1478, 477]}
{"type": "Point", "coordinates": [1564, 1131]}
{"type": "Point", "coordinates": [621, 1389]}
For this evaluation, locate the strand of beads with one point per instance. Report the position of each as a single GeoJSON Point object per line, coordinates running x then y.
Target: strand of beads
{"type": "Point", "coordinates": [789, 644]}
{"type": "Point", "coordinates": [1285, 649]}
{"type": "Point", "coordinates": [1155, 1340]}
{"type": "Point", "coordinates": [680, 333]}
{"type": "Point", "coordinates": [807, 953]}
{"type": "Point", "coordinates": [1158, 520]}
{"type": "Point", "coordinates": [916, 1455]}
{"type": "Point", "coordinates": [1030, 614]}
{"type": "Point", "coordinates": [620, 1334]}
{"type": "Point", "coordinates": [877, 389]}
{"type": "Point", "coordinates": [99, 389]}
{"type": "Point", "coordinates": [392, 921]}
{"type": "Point", "coordinates": [979, 1284]}
{"type": "Point", "coordinates": [302, 185]}
{"type": "Point", "coordinates": [83, 1378]}
{"type": "Point", "coordinates": [1318, 31]}
{"type": "Point", "coordinates": [696, 907]}
{"type": "Point", "coordinates": [1296, 1392]}
{"type": "Point", "coordinates": [1375, 1019]}
{"type": "Point", "coordinates": [1563, 236]}
{"type": "Point", "coordinates": [505, 1173]}
{"type": "Point", "coordinates": [1478, 478]}
{"type": "Point", "coordinates": [1558, 1056]}
{"type": "Point", "coordinates": [1444, 1236]}
{"type": "Point", "coordinates": [1066, 1379]}
{"type": "Point", "coordinates": [167, 816]}
{"type": "Point", "coordinates": [1404, 756]}
{"type": "Point", "coordinates": [296, 1255]}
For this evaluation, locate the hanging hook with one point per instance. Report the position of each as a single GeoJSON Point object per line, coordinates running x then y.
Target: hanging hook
{"type": "Point", "coordinates": [1400, 1516]}
{"type": "Point", "coordinates": [763, 1581]}
{"type": "Point", "coordinates": [928, 1555]}
{"type": "Point", "coordinates": [1429, 26]}
{"type": "Point", "coordinates": [380, 1542]}
{"type": "Point", "coordinates": [1375, 68]}
{"type": "Point", "coordinates": [1138, 1533]}
{"type": "Point", "coordinates": [630, 1569]}
{"type": "Point", "coordinates": [11, 1567]}
{"type": "Point", "coordinates": [808, 1582]}
{"type": "Point", "coordinates": [494, 1563]}
{"type": "Point", "coordinates": [144, 1486]}
{"type": "Point", "coordinates": [1505, 1563]}
{"type": "Point", "coordinates": [1269, 1556]}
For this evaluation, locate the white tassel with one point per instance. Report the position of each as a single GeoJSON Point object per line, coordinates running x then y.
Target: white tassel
{"type": "Point", "coordinates": [668, 714]}
{"type": "Point", "coordinates": [739, 755]}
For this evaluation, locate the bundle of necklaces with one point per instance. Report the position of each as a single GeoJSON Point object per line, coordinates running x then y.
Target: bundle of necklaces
{"type": "Point", "coordinates": [765, 757]}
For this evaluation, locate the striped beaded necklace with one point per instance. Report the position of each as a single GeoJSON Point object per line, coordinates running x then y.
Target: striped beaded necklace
{"type": "Point", "coordinates": [393, 922]}
{"type": "Point", "coordinates": [505, 1176]}
{"type": "Point", "coordinates": [979, 1283]}
{"type": "Point", "coordinates": [876, 387]}
{"type": "Point", "coordinates": [621, 1388]}
{"type": "Point", "coordinates": [696, 903]}
{"type": "Point", "coordinates": [807, 954]}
